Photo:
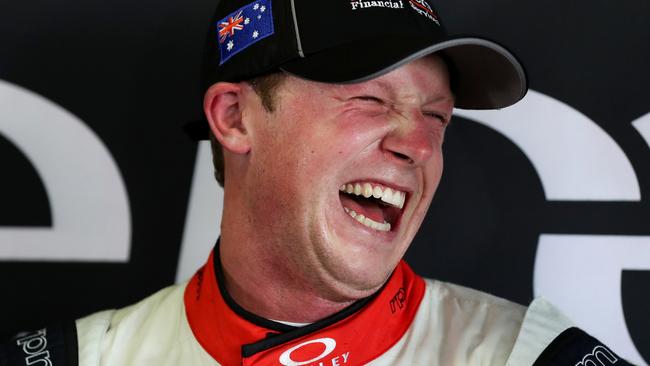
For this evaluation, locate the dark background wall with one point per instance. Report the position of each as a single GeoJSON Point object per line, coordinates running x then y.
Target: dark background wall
{"type": "Point", "coordinates": [98, 92]}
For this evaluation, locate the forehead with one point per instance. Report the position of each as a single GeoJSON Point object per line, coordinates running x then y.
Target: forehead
{"type": "Point", "coordinates": [424, 78]}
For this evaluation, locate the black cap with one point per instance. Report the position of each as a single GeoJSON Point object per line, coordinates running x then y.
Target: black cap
{"type": "Point", "coordinates": [348, 41]}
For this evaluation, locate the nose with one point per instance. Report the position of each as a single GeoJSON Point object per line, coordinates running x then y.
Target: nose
{"type": "Point", "coordinates": [411, 141]}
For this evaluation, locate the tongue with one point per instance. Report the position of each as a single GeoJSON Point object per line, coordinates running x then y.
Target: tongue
{"type": "Point", "coordinates": [363, 206]}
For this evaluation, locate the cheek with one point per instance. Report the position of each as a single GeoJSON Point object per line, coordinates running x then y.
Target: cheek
{"type": "Point", "coordinates": [357, 133]}
{"type": "Point", "coordinates": [433, 169]}
{"type": "Point", "coordinates": [436, 133]}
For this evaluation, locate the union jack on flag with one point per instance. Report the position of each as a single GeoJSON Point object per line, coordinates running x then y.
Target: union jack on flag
{"type": "Point", "coordinates": [228, 28]}
{"type": "Point", "coordinates": [244, 27]}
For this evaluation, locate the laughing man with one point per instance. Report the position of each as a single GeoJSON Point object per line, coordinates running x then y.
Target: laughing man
{"type": "Point", "coordinates": [327, 120]}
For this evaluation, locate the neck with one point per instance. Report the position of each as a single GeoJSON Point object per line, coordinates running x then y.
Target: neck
{"type": "Point", "coordinates": [259, 272]}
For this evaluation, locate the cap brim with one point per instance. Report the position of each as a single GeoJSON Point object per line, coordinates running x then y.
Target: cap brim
{"type": "Point", "coordinates": [484, 74]}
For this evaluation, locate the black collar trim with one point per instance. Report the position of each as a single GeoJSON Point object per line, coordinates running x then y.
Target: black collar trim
{"type": "Point", "coordinates": [287, 332]}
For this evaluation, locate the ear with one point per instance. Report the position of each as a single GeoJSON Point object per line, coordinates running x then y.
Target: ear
{"type": "Point", "coordinates": [222, 105]}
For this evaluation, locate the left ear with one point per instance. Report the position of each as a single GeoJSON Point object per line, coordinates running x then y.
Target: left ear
{"type": "Point", "coordinates": [222, 105]}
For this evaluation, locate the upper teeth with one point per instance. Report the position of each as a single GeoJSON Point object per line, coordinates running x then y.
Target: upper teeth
{"type": "Point", "coordinates": [388, 195]}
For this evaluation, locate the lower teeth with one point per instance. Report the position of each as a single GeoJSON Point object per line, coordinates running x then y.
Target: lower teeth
{"type": "Point", "coordinates": [367, 222]}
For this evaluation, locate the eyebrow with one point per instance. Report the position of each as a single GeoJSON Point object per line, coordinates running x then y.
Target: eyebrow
{"type": "Point", "coordinates": [390, 90]}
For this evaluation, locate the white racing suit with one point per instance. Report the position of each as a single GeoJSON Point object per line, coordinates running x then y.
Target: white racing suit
{"type": "Point", "coordinates": [410, 321]}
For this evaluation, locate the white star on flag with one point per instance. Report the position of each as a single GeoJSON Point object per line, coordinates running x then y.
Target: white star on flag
{"type": "Point", "coordinates": [230, 45]}
{"type": "Point", "coordinates": [259, 17]}
{"type": "Point", "coordinates": [256, 6]}
{"type": "Point", "coordinates": [255, 34]}
{"type": "Point", "coordinates": [247, 20]}
{"type": "Point", "coordinates": [263, 8]}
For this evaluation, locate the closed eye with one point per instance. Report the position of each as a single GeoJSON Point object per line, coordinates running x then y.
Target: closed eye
{"type": "Point", "coordinates": [369, 98]}
{"type": "Point", "coordinates": [442, 118]}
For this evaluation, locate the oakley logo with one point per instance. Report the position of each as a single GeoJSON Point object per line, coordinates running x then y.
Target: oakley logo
{"type": "Point", "coordinates": [288, 357]}
{"type": "Point", "coordinates": [600, 356]}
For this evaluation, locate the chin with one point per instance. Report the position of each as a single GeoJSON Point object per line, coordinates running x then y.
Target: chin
{"type": "Point", "coordinates": [356, 277]}
{"type": "Point", "coordinates": [355, 261]}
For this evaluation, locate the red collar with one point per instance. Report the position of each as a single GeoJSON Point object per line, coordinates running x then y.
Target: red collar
{"type": "Point", "coordinates": [354, 336]}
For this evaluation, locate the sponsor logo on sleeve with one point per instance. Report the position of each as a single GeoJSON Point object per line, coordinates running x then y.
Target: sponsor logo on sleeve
{"type": "Point", "coordinates": [599, 356]}
{"type": "Point", "coordinates": [574, 347]}
{"type": "Point", "coordinates": [34, 347]}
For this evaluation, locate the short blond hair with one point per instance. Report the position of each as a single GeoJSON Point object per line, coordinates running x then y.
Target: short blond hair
{"type": "Point", "coordinates": [265, 87]}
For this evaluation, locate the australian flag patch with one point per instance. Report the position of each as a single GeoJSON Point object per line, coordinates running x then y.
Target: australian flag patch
{"type": "Point", "coordinates": [244, 27]}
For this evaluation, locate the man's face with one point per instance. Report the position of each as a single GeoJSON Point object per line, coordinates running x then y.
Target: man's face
{"type": "Point", "coordinates": [313, 158]}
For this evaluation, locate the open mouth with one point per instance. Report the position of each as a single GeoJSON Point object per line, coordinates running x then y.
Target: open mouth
{"type": "Point", "coordinates": [373, 205]}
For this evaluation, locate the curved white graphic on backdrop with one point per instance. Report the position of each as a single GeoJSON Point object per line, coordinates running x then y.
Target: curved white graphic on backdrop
{"type": "Point", "coordinates": [91, 219]}
{"type": "Point", "coordinates": [203, 221]}
{"type": "Point", "coordinates": [576, 160]}
{"type": "Point", "coordinates": [574, 157]}
{"type": "Point", "coordinates": [642, 124]}
{"type": "Point", "coordinates": [581, 275]}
